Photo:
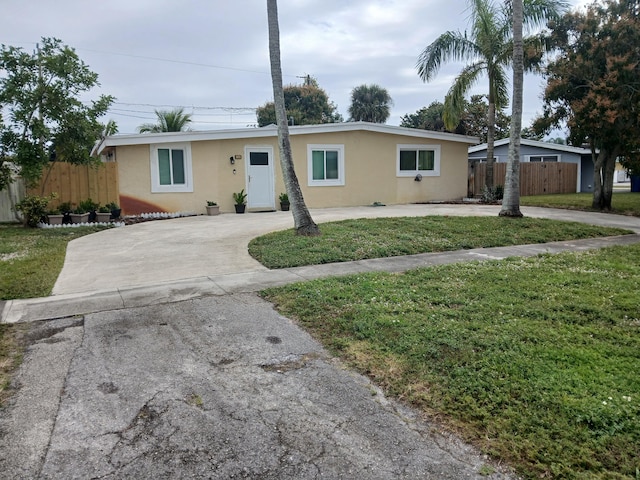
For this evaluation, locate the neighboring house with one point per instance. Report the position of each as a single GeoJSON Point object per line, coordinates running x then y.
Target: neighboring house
{"type": "Point", "coordinates": [339, 164]}
{"type": "Point", "coordinates": [535, 151]}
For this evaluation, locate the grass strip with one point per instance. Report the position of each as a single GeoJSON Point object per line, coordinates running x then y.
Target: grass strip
{"type": "Point", "coordinates": [623, 203]}
{"type": "Point", "coordinates": [31, 258]}
{"type": "Point", "coordinates": [360, 239]}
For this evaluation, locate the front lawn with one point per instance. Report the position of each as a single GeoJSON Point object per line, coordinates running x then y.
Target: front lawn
{"type": "Point", "coordinates": [534, 360]}
{"type": "Point", "coordinates": [31, 258]}
{"type": "Point", "coordinates": [624, 203]}
{"type": "Point", "coordinates": [386, 237]}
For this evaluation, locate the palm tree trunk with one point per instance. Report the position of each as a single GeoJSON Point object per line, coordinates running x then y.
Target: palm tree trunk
{"type": "Point", "coordinates": [303, 222]}
{"type": "Point", "coordinates": [511, 199]}
{"type": "Point", "coordinates": [491, 135]}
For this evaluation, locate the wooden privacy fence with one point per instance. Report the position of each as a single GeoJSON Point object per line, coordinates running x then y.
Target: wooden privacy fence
{"type": "Point", "coordinates": [75, 183]}
{"type": "Point", "coordinates": [535, 178]}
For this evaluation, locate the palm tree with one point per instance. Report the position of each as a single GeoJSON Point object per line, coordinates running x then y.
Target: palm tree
{"type": "Point", "coordinates": [302, 220]}
{"type": "Point", "coordinates": [489, 47]}
{"type": "Point", "coordinates": [370, 103]}
{"type": "Point", "coordinates": [168, 121]}
{"type": "Point", "coordinates": [511, 198]}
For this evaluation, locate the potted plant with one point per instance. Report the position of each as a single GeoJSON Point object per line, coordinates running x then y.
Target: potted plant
{"type": "Point", "coordinates": [55, 216]}
{"type": "Point", "coordinates": [284, 202]}
{"type": "Point", "coordinates": [116, 211]}
{"type": "Point", "coordinates": [65, 210]}
{"type": "Point", "coordinates": [240, 199]}
{"type": "Point", "coordinates": [90, 207]}
{"type": "Point", "coordinates": [103, 215]}
{"type": "Point", "coordinates": [212, 208]}
{"type": "Point", "coordinates": [79, 215]}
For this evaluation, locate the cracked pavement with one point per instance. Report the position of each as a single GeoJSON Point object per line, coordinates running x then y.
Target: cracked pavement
{"type": "Point", "coordinates": [213, 387]}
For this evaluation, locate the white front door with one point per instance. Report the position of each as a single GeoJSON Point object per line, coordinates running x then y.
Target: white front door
{"type": "Point", "coordinates": [260, 177]}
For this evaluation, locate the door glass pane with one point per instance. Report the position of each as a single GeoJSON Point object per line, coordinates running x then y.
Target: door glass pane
{"type": "Point", "coordinates": [178, 167]}
{"type": "Point", "coordinates": [426, 160]}
{"type": "Point", "coordinates": [164, 166]}
{"type": "Point", "coordinates": [332, 164]}
{"type": "Point", "coordinates": [407, 160]}
{"type": "Point", "coordinates": [317, 158]}
{"type": "Point", "coordinates": [258, 158]}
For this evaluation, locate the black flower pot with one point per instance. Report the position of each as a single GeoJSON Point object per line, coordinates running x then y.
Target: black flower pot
{"type": "Point", "coordinates": [284, 206]}
{"type": "Point", "coordinates": [240, 208]}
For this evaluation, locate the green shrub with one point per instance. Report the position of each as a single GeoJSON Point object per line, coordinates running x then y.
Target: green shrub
{"type": "Point", "coordinates": [34, 209]}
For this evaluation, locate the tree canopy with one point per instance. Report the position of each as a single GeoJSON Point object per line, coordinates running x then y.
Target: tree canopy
{"type": "Point", "coordinates": [168, 121]}
{"type": "Point", "coordinates": [40, 91]}
{"type": "Point", "coordinates": [594, 86]}
{"type": "Point", "coordinates": [472, 121]}
{"type": "Point", "coordinates": [306, 104]}
{"type": "Point", "coordinates": [370, 103]}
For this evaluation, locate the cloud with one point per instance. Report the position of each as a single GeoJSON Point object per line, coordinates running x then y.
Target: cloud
{"type": "Point", "coordinates": [215, 54]}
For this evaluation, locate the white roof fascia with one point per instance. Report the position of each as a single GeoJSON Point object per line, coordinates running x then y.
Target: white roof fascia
{"type": "Point", "coordinates": [272, 131]}
{"type": "Point", "coordinates": [534, 143]}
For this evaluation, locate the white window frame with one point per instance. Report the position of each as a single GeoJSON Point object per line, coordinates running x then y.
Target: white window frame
{"type": "Point", "coordinates": [338, 182]}
{"type": "Point", "coordinates": [156, 187]}
{"type": "Point", "coordinates": [527, 158]}
{"type": "Point", "coordinates": [425, 173]}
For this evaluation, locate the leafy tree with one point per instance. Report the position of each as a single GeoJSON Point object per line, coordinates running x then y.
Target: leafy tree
{"type": "Point", "coordinates": [306, 104]}
{"type": "Point", "coordinates": [489, 49]}
{"type": "Point", "coordinates": [168, 121]}
{"type": "Point", "coordinates": [511, 196]}
{"type": "Point", "coordinates": [303, 222]}
{"type": "Point", "coordinates": [370, 103]}
{"type": "Point", "coordinates": [472, 121]}
{"type": "Point", "coordinates": [429, 118]}
{"type": "Point", "coordinates": [594, 86]}
{"type": "Point", "coordinates": [531, 134]}
{"type": "Point", "coordinates": [41, 93]}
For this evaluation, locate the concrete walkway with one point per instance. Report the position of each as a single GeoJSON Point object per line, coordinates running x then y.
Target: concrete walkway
{"type": "Point", "coordinates": [173, 260]}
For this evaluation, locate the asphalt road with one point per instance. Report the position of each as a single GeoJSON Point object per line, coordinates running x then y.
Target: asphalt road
{"type": "Point", "coordinates": [215, 387]}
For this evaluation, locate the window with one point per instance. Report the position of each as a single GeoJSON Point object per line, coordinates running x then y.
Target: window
{"type": "Point", "coordinates": [171, 168]}
{"type": "Point", "coordinates": [325, 165]}
{"type": "Point", "coordinates": [422, 159]}
{"type": "Point", "coordinates": [544, 158]}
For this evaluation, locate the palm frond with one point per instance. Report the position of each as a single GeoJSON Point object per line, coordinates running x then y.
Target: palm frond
{"type": "Point", "coordinates": [454, 102]}
{"type": "Point", "coordinates": [500, 86]}
{"type": "Point", "coordinates": [448, 46]}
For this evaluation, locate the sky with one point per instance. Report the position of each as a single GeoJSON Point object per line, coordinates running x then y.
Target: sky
{"type": "Point", "coordinates": [212, 57]}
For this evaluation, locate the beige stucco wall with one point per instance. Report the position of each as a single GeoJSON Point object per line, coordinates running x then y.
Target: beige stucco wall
{"type": "Point", "coordinates": [370, 173]}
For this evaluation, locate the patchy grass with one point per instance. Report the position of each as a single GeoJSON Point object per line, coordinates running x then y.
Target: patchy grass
{"type": "Point", "coordinates": [534, 360]}
{"type": "Point", "coordinates": [386, 237]}
{"type": "Point", "coordinates": [11, 351]}
{"type": "Point", "coordinates": [31, 258]}
{"type": "Point", "coordinates": [625, 203]}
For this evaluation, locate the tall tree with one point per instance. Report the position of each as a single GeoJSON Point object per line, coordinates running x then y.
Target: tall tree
{"type": "Point", "coordinates": [305, 104]}
{"type": "Point", "coordinates": [370, 103]}
{"type": "Point", "coordinates": [594, 86]}
{"type": "Point", "coordinates": [303, 222]}
{"type": "Point", "coordinates": [47, 119]}
{"type": "Point", "coordinates": [511, 196]}
{"type": "Point", "coordinates": [489, 48]}
{"type": "Point", "coordinates": [473, 120]}
{"type": "Point", "coordinates": [168, 121]}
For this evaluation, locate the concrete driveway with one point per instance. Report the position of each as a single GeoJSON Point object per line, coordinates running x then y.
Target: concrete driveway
{"type": "Point", "coordinates": [171, 250]}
